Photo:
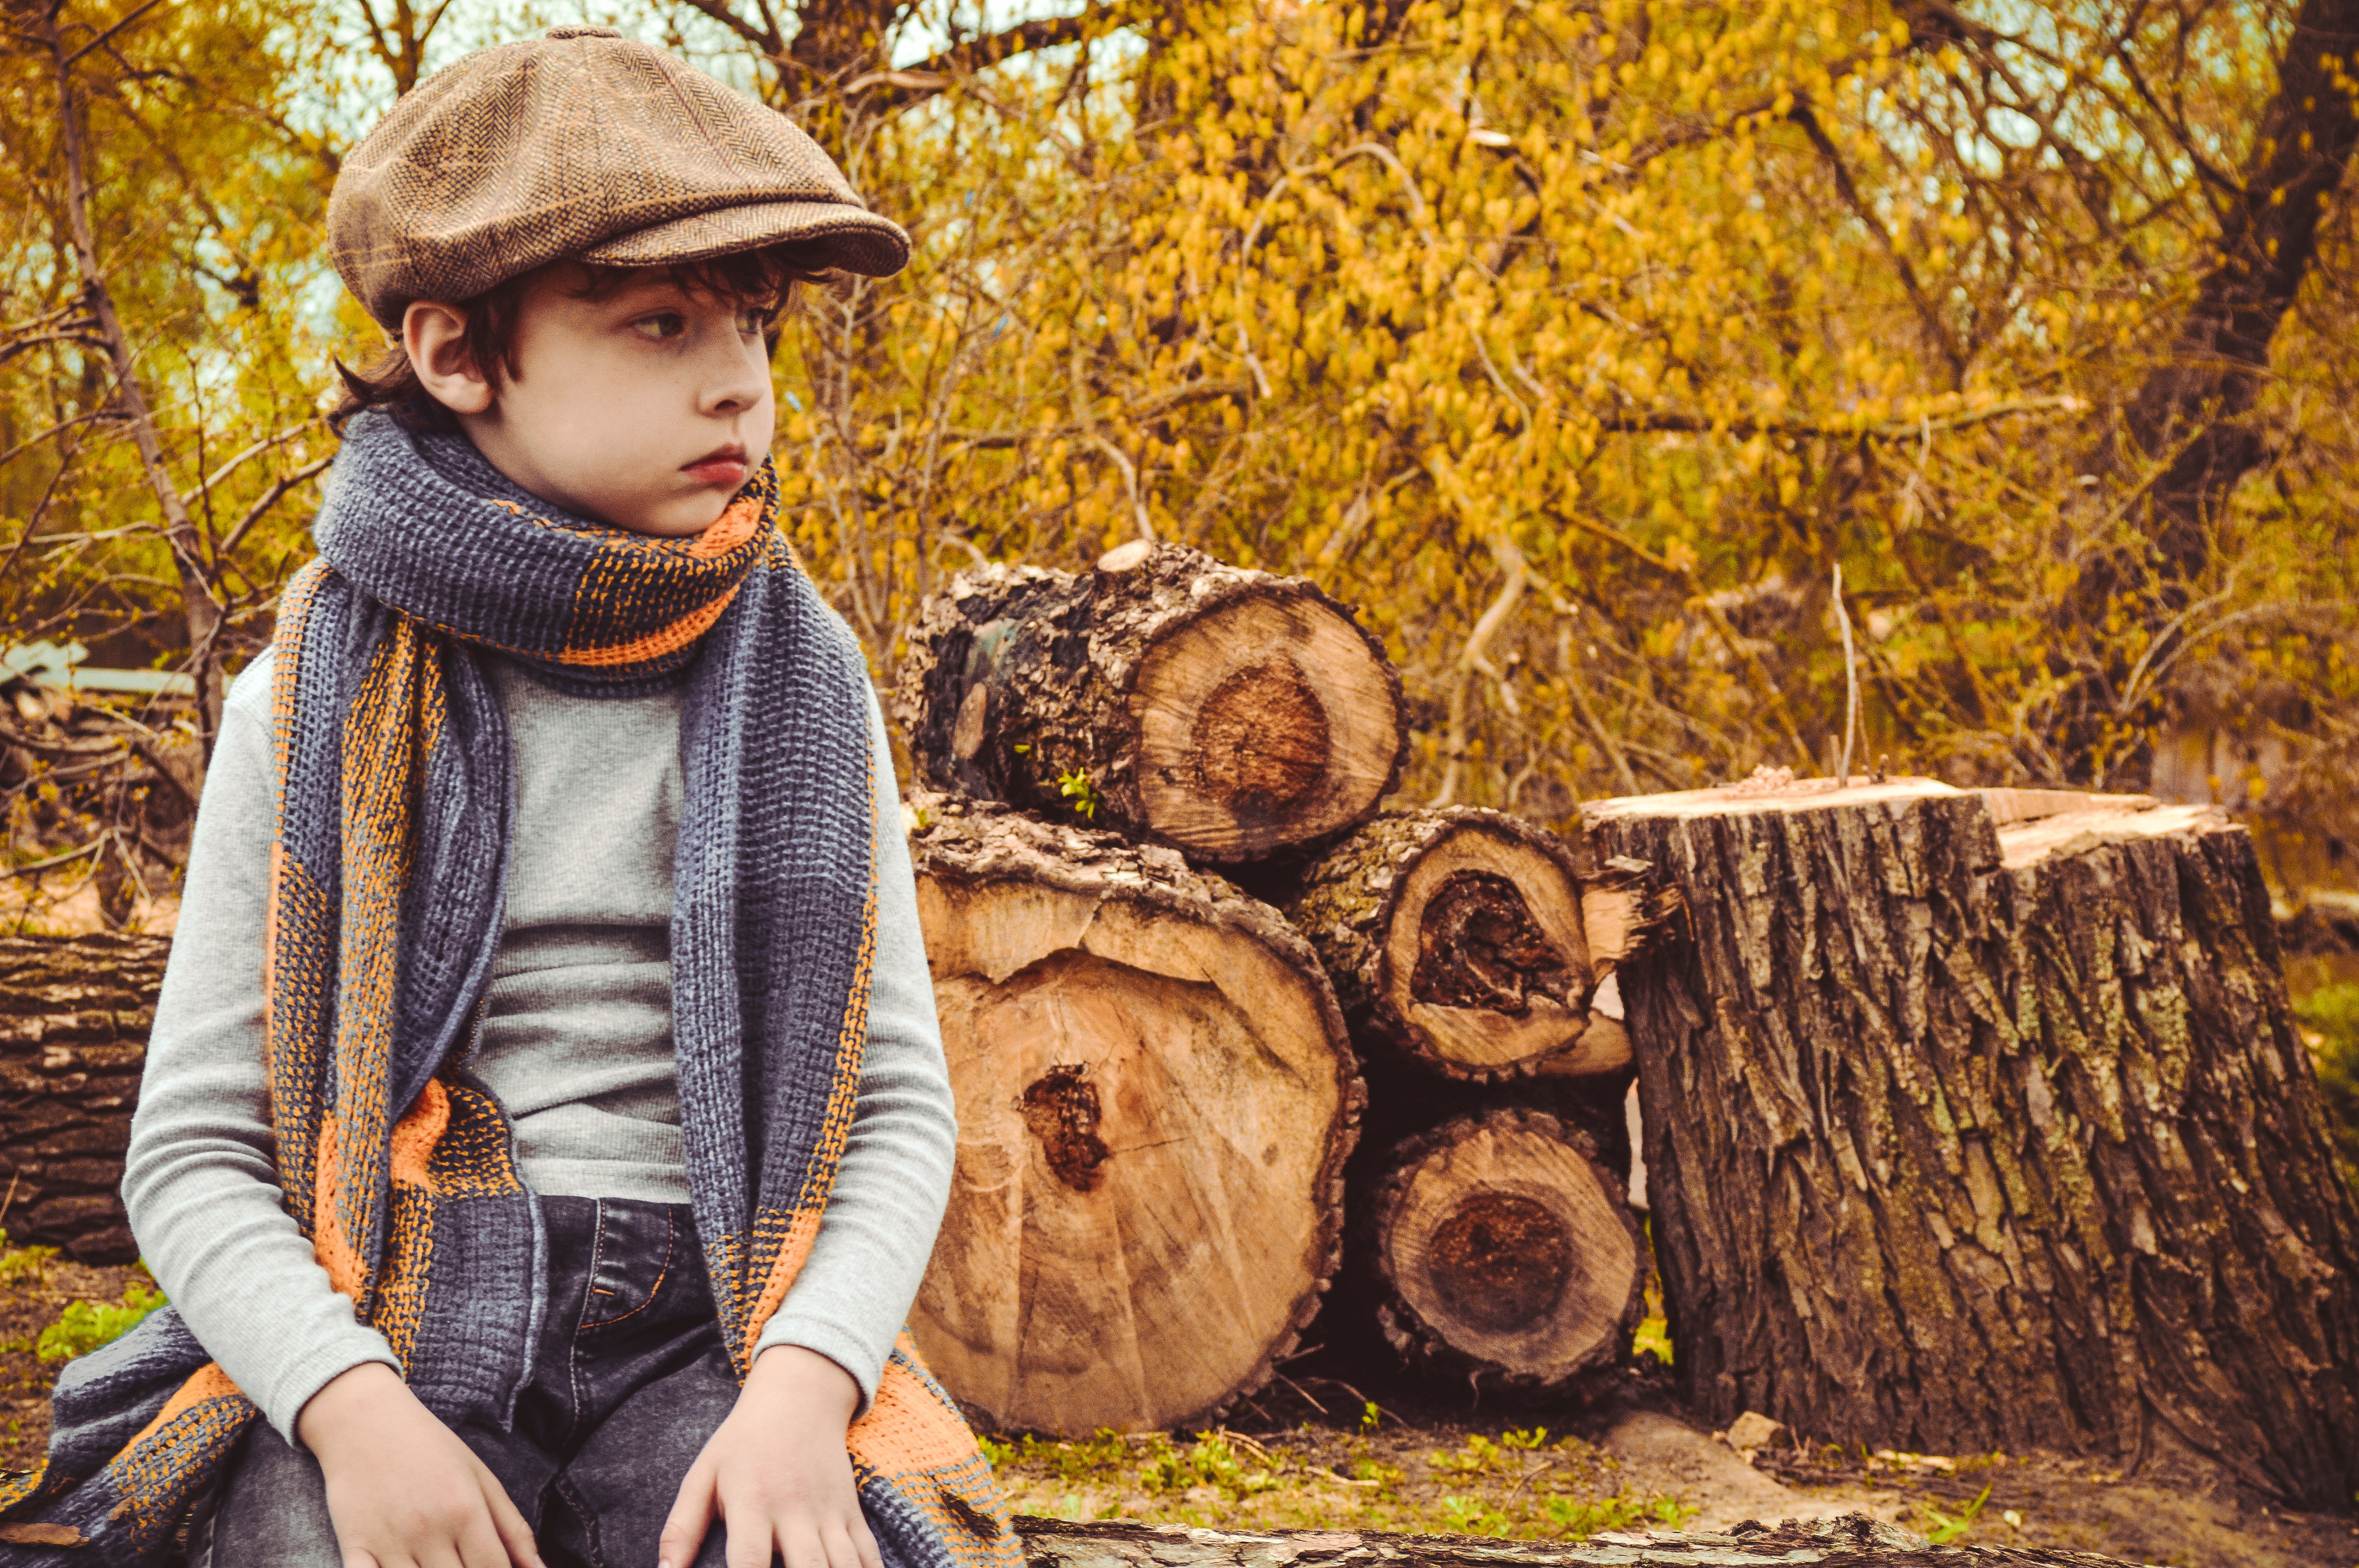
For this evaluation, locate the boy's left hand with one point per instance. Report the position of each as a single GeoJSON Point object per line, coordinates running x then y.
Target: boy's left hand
{"type": "Point", "coordinates": [777, 1475]}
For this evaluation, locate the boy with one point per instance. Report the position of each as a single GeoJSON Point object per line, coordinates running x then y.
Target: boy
{"type": "Point", "coordinates": [545, 1124]}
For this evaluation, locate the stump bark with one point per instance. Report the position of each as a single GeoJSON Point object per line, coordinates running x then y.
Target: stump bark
{"type": "Point", "coordinates": [1155, 1100]}
{"type": "Point", "coordinates": [1975, 1123]}
{"type": "Point", "coordinates": [1853, 1541]}
{"type": "Point", "coordinates": [74, 1016]}
{"type": "Point", "coordinates": [1225, 713]}
{"type": "Point", "coordinates": [1499, 1248]}
{"type": "Point", "coordinates": [1467, 940]}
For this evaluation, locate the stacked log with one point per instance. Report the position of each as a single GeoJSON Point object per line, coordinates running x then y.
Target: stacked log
{"type": "Point", "coordinates": [1157, 1081]}
{"type": "Point", "coordinates": [1156, 1096]}
{"type": "Point", "coordinates": [1502, 1251]}
{"type": "Point", "coordinates": [1224, 712]}
{"type": "Point", "coordinates": [1981, 1122]}
{"type": "Point", "coordinates": [74, 1016]}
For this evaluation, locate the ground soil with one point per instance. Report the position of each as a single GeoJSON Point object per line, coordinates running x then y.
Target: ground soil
{"type": "Point", "coordinates": [29, 1302]}
{"type": "Point", "coordinates": [1624, 1456]}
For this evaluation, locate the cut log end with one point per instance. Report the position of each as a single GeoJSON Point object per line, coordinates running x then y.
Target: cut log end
{"type": "Point", "coordinates": [1466, 940]}
{"type": "Point", "coordinates": [1502, 1250]}
{"type": "Point", "coordinates": [1155, 1100]}
{"type": "Point", "coordinates": [1267, 721]}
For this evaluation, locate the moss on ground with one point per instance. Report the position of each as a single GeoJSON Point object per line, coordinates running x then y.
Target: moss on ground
{"type": "Point", "coordinates": [1519, 1482]}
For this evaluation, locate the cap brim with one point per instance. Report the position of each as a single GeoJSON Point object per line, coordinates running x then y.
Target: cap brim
{"type": "Point", "coordinates": [852, 238]}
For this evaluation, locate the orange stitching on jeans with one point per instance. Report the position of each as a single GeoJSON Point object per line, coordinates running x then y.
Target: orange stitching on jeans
{"type": "Point", "coordinates": [672, 1245]}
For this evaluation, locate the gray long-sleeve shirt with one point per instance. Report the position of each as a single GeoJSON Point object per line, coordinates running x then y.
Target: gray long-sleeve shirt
{"type": "Point", "coordinates": [576, 1043]}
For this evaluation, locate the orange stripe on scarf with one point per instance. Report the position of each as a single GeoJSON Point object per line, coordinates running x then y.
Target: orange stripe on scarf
{"type": "Point", "coordinates": [207, 1382]}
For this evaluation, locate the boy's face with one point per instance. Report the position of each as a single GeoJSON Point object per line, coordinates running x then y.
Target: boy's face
{"type": "Point", "coordinates": [645, 406]}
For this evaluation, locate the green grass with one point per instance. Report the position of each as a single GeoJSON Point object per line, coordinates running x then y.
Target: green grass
{"type": "Point", "coordinates": [86, 1325]}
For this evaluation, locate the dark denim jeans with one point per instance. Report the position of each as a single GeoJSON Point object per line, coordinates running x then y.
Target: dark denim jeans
{"type": "Point", "coordinates": [630, 1380]}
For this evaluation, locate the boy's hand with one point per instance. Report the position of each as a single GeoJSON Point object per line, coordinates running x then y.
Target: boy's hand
{"type": "Point", "coordinates": [777, 1472]}
{"type": "Point", "coordinates": [403, 1491]}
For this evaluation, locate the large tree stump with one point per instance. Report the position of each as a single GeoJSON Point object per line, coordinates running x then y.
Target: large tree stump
{"type": "Point", "coordinates": [1499, 1249]}
{"type": "Point", "coordinates": [1965, 1137]}
{"type": "Point", "coordinates": [1854, 1542]}
{"type": "Point", "coordinates": [1155, 1098]}
{"type": "Point", "coordinates": [74, 1016]}
{"type": "Point", "coordinates": [1466, 940]}
{"type": "Point", "coordinates": [1226, 712]}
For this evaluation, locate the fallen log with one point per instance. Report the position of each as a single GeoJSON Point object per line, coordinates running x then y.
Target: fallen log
{"type": "Point", "coordinates": [1853, 1542]}
{"type": "Point", "coordinates": [1467, 940]}
{"type": "Point", "coordinates": [1965, 1136]}
{"type": "Point", "coordinates": [1499, 1249]}
{"type": "Point", "coordinates": [74, 1016]}
{"type": "Point", "coordinates": [1225, 713]}
{"type": "Point", "coordinates": [1156, 1098]}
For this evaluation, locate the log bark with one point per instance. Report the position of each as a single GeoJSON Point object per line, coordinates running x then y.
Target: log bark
{"type": "Point", "coordinates": [1227, 713]}
{"type": "Point", "coordinates": [1499, 1248]}
{"type": "Point", "coordinates": [1155, 1098]}
{"type": "Point", "coordinates": [74, 1016]}
{"type": "Point", "coordinates": [1853, 1541]}
{"type": "Point", "coordinates": [1468, 941]}
{"type": "Point", "coordinates": [1965, 1137]}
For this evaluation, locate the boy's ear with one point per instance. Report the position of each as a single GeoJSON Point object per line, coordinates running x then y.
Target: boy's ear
{"type": "Point", "coordinates": [434, 335]}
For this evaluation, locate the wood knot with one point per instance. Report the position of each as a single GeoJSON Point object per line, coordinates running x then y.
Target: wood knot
{"type": "Point", "coordinates": [1060, 1107]}
{"type": "Point", "coordinates": [1478, 945]}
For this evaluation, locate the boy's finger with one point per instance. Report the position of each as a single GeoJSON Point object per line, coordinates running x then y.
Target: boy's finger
{"type": "Point", "coordinates": [754, 1541]}
{"type": "Point", "coordinates": [842, 1552]}
{"type": "Point", "coordinates": [481, 1546]}
{"type": "Point", "coordinates": [799, 1547]}
{"type": "Point", "coordinates": [863, 1542]}
{"type": "Point", "coordinates": [690, 1520]}
{"type": "Point", "coordinates": [508, 1528]}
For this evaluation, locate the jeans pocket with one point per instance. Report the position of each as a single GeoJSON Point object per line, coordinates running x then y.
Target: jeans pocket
{"type": "Point", "coordinates": [634, 1252]}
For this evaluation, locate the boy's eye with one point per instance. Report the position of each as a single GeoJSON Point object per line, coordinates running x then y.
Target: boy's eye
{"type": "Point", "coordinates": [755, 319]}
{"type": "Point", "coordinates": [661, 325]}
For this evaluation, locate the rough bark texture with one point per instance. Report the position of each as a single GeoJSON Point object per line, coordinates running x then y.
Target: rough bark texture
{"type": "Point", "coordinates": [1499, 1249]}
{"type": "Point", "coordinates": [1156, 1100]}
{"type": "Point", "coordinates": [1468, 941]}
{"type": "Point", "coordinates": [1960, 1138]}
{"type": "Point", "coordinates": [74, 1016]}
{"type": "Point", "coordinates": [1226, 712]}
{"type": "Point", "coordinates": [1856, 1542]}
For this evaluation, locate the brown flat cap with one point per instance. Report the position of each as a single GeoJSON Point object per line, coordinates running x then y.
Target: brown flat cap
{"type": "Point", "coordinates": [586, 144]}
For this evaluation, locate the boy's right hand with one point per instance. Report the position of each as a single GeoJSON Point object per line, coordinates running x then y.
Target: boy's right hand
{"type": "Point", "coordinates": [403, 1490]}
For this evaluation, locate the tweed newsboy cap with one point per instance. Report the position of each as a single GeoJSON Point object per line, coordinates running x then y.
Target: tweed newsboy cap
{"type": "Point", "coordinates": [587, 144]}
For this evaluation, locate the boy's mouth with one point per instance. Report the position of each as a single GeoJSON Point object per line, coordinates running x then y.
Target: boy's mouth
{"type": "Point", "coordinates": [723, 465]}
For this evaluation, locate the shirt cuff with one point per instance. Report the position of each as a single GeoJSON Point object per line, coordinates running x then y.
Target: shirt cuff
{"type": "Point", "coordinates": [317, 1368]}
{"type": "Point", "coordinates": [860, 1363]}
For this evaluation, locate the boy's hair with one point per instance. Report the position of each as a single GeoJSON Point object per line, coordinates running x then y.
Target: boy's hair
{"type": "Point", "coordinates": [488, 341]}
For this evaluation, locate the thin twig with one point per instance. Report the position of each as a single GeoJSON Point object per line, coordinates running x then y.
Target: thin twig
{"type": "Point", "coordinates": [32, 867]}
{"type": "Point", "coordinates": [270, 498]}
{"type": "Point", "coordinates": [1850, 683]}
{"type": "Point", "coordinates": [110, 32]}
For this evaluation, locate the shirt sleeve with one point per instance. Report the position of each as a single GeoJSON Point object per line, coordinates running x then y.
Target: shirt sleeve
{"type": "Point", "coordinates": [877, 1231]}
{"type": "Point", "coordinates": [199, 1181]}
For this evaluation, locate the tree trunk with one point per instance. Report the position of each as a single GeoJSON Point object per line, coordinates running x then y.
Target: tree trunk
{"type": "Point", "coordinates": [74, 1015]}
{"type": "Point", "coordinates": [1225, 713]}
{"type": "Point", "coordinates": [1156, 1098]}
{"type": "Point", "coordinates": [201, 610]}
{"type": "Point", "coordinates": [1466, 940]}
{"type": "Point", "coordinates": [1968, 1134]}
{"type": "Point", "coordinates": [1499, 1249]}
{"type": "Point", "coordinates": [1854, 1542]}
